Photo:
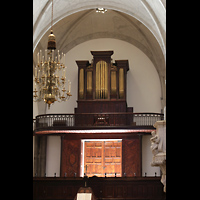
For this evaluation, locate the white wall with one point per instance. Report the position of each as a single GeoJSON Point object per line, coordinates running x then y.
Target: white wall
{"type": "Point", "coordinates": [53, 153]}
{"type": "Point", "coordinates": [144, 89]}
{"type": "Point", "coordinates": [147, 157]}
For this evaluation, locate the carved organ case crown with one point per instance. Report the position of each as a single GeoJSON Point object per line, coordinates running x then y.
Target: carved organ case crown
{"type": "Point", "coordinates": [102, 79]}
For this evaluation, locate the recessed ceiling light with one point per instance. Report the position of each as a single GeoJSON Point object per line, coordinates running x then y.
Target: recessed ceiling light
{"type": "Point", "coordinates": [101, 10]}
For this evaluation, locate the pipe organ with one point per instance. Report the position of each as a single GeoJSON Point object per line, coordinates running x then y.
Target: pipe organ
{"type": "Point", "coordinates": [102, 79]}
{"type": "Point", "coordinates": [102, 89]}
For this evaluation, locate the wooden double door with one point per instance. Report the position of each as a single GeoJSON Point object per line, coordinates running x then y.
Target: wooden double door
{"type": "Point", "coordinates": [102, 157]}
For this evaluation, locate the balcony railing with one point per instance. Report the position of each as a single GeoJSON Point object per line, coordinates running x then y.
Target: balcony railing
{"type": "Point", "coordinates": [61, 121]}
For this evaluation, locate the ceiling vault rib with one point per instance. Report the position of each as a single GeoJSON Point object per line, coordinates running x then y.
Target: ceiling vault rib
{"type": "Point", "coordinates": [69, 30]}
{"type": "Point", "coordinates": [157, 24]}
{"type": "Point", "coordinates": [40, 15]}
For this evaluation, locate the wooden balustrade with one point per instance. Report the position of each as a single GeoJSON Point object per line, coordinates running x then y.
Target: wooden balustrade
{"type": "Point", "coordinates": [118, 188]}
{"type": "Point", "coordinates": [54, 121]}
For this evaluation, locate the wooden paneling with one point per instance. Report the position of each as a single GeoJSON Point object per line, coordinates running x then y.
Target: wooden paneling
{"type": "Point", "coordinates": [93, 159]}
{"type": "Point", "coordinates": [103, 106]}
{"type": "Point", "coordinates": [131, 154]}
{"type": "Point", "coordinates": [99, 106]}
{"type": "Point", "coordinates": [118, 157]}
{"type": "Point", "coordinates": [56, 188]}
{"type": "Point", "coordinates": [103, 157]}
{"type": "Point", "coordinates": [70, 157]}
{"type": "Point", "coordinates": [113, 158]}
{"type": "Point", "coordinates": [104, 188]}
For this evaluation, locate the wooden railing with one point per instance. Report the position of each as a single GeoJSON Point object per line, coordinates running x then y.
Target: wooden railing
{"type": "Point", "coordinates": [147, 119]}
{"type": "Point", "coordinates": [119, 188]}
{"type": "Point", "coordinates": [95, 119]}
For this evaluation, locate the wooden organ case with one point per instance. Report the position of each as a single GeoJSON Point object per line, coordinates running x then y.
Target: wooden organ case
{"type": "Point", "coordinates": [102, 88]}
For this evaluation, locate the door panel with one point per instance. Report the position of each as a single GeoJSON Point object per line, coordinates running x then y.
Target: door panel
{"type": "Point", "coordinates": [103, 157]}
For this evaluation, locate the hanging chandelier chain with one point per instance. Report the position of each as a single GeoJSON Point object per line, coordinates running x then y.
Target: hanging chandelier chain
{"type": "Point", "coordinates": [52, 15]}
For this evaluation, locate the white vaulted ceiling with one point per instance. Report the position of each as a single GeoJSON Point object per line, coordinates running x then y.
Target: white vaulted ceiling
{"type": "Point", "coordinates": [150, 13]}
{"type": "Point", "coordinates": [138, 22]}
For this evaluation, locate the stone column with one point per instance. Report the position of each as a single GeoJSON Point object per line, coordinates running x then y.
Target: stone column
{"type": "Point", "coordinates": [158, 147]}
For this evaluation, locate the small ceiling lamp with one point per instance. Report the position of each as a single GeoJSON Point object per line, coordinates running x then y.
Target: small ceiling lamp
{"type": "Point", "coordinates": [101, 10]}
{"type": "Point", "coordinates": [50, 74]}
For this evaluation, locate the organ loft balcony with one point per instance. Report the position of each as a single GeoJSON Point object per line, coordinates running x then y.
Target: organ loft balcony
{"type": "Point", "coordinates": [66, 123]}
{"type": "Point", "coordinates": [101, 103]}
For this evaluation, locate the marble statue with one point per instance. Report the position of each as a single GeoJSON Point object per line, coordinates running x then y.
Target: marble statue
{"type": "Point", "coordinates": [158, 148]}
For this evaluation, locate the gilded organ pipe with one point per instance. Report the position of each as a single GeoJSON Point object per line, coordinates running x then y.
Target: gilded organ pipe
{"type": "Point", "coordinates": [81, 84]}
{"type": "Point", "coordinates": [101, 80]}
{"type": "Point", "coordinates": [121, 83]}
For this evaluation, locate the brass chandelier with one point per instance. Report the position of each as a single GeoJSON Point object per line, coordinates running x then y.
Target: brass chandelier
{"type": "Point", "coordinates": [50, 74]}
